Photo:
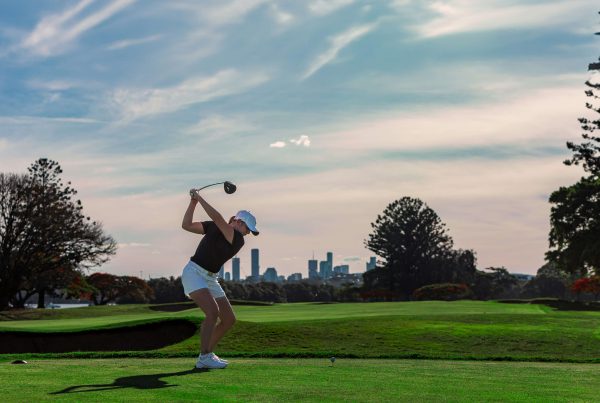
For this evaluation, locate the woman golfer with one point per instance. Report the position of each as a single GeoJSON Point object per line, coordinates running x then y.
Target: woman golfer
{"type": "Point", "coordinates": [222, 240]}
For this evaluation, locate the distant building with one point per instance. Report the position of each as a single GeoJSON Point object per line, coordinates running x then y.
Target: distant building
{"type": "Point", "coordinates": [227, 276]}
{"type": "Point", "coordinates": [222, 272]}
{"type": "Point", "coordinates": [295, 277]}
{"type": "Point", "coordinates": [313, 269]}
{"type": "Point", "coordinates": [270, 275]}
{"type": "Point", "coordinates": [372, 263]}
{"type": "Point", "coordinates": [255, 264]}
{"type": "Point", "coordinates": [330, 260]}
{"type": "Point", "coordinates": [235, 268]}
{"type": "Point", "coordinates": [523, 277]}
{"type": "Point", "coordinates": [324, 269]}
{"type": "Point", "coordinates": [341, 269]}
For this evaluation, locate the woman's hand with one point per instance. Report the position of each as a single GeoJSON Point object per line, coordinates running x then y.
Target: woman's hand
{"type": "Point", "coordinates": [194, 195]}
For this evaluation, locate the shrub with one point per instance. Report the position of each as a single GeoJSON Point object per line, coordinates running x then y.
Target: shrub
{"type": "Point", "coordinates": [443, 292]}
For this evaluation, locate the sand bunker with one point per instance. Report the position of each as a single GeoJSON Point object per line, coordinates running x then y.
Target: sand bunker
{"type": "Point", "coordinates": [149, 336]}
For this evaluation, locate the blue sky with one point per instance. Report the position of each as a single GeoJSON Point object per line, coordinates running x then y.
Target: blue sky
{"type": "Point", "coordinates": [322, 112]}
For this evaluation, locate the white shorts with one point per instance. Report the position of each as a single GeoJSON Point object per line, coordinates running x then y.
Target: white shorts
{"type": "Point", "coordinates": [195, 278]}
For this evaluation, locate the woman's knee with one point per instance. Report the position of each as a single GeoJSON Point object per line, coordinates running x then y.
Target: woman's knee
{"type": "Point", "coordinates": [211, 314]}
{"type": "Point", "coordinates": [228, 321]}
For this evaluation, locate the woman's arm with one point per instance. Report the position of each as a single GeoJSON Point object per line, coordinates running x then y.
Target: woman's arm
{"type": "Point", "coordinates": [187, 224]}
{"type": "Point", "coordinates": [218, 219]}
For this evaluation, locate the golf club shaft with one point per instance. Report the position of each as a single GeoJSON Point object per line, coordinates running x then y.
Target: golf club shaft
{"type": "Point", "coordinates": [204, 187]}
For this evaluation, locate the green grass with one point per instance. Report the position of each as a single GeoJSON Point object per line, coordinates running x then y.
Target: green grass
{"type": "Point", "coordinates": [462, 330]}
{"type": "Point", "coordinates": [275, 380]}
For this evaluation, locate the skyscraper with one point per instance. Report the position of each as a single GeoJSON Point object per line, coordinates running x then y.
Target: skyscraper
{"type": "Point", "coordinates": [235, 268]}
{"type": "Point", "coordinates": [255, 265]}
{"type": "Point", "coordinates": [313, 266]}
{"type": "Point", "coordinates": [270, 275]}
{"type": "Point", "coordinates": [372, 263]}
{"type": "Point", "coordinates": [330, 262]}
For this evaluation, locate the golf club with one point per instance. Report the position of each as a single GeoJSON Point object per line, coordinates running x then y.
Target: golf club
{"type": "Point", "coordinates": [228, 186]}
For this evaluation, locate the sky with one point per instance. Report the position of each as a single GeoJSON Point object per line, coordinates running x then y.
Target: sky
{"type": "Point", "coordinates": [321, 112]}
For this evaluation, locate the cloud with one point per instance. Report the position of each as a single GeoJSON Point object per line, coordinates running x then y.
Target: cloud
{"type": "Point", "coordinates": [281, 17]}
{"type": "Point", "coordinates": [538, 117]}
{"type": "Point", "coordinates": [137, 103]}
{"type": "Point", "coordinates": [301, 141]}
{"type": "Point", "coordinates": [55, 33]}
{"type": "Point", "coordinates": [220, 125]}
{"type": "Point", "coordinates": [457, 16]}
{"type": "Point", "coordinates": [29, 120]}
{"type": "Point", "coordinates": [324, 7]}
{"type": "Point", "coordinates": [126, 43]}
{"type": "Point", "coordinates": [3, 144]}
{"type": "Point", "coordinates": [337, 43]}
{"type": "Point", "coordinates": [52, 85]}
{"type": "Point", "coordinates": [220, 13]}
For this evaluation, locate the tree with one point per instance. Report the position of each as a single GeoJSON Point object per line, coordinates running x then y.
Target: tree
{"type": "Point", "coordinates": [575, 227]}
{"type": "Point", "coordinates": [496, 282]}
{"type": "Point", "coordinates": [588, 153]}
{"type": "Point", "coordinates": [167, 290]}
{"type": "Point", "coordinates": [66, 239]}
{"type": "Point", "coordinates": [549, 281]}
{"type": "Point", "coordinates": [588, 285]}
{"type": "Point", "coordinates": [17, 236]}
{"type": "Point", "coordinates": [575, 215]}
{"type": "Point", "coordinates": [414, 247]}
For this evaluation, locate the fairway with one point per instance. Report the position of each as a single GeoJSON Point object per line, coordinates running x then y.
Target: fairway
{"type": "Point", "coordinates": [461, 330]}
{"type": "Point", "coordinates": [266, 380]}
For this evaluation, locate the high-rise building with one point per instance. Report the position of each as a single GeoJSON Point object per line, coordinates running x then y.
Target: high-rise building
{"type": "Point", "coordinates": [255, 265]}
{"type": "Point", "coordinates": [295, 277]}
{"type": "Point", "coordinates": [324, 270]}
{"type": "Point", "coordinates": [235, 269]}
{"type": "Point", "coordinates": [372, 263]}
{"type": "Point", "coordinates": [227, 276]}
{"type": "Point", "coordinates": [270, 275]}
{"type": "Point", "coordinates": [330, 261]}
{"type": "Point", "coordinates": [341, 269]}
{"type": "Point", "coordinates": [313, 266]}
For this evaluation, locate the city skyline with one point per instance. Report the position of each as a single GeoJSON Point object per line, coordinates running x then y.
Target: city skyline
{"type": "Point", "coordinates": [321, 112]}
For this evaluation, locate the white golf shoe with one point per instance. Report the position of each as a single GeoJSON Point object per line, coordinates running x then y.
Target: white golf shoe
{"type": "Point", "coordinates": [219, 358]}
{"type": "Point", "coordinates": [210, 361]}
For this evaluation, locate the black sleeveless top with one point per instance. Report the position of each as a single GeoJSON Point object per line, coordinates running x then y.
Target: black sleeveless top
{"type": "Point", "coordinates": [214, 250]}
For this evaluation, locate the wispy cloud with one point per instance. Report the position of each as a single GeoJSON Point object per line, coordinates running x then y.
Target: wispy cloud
{"type": "Point", "coordinates": [303, 141]}
{"type": "Point", "coordinates": [126, 43]}
{"type": "Point", "coordinates": [55, 33]}
{"type": "Point", "coordinates": [324, 7]}
{"type": "Point", "coordinates": [280, 16]}
{"type": "Point", "coordinates": [220, 125]}
{"type": "Point", "coordinates": [3, 144]}
{"type": "Point", "coordinates": [220, 13]}
{"type": "Point", "coordinates": [28, 120]}
{"type": "Point", "coordinates": [136, 103]}
{"type": "Point", "coordinates": [456, 16]}
{"type": "Point", "coordinates": [337, 43]}
{"type": "Point", "coordinates": [277, 144]}
{"type": "Point", "coordinates": [52, 85]}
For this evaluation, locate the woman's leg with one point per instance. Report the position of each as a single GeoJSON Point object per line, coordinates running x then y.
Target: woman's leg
{"type": "Point", "coordinates": [226, 321]}
{"type": "Point", "coordinates": [209, 306]}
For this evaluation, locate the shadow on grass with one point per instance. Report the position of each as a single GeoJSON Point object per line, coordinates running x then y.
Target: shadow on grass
{"type": "Point", "coordinates": [152, 381]}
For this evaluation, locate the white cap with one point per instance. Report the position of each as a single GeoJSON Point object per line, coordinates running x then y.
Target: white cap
{"type": "Point", "coordinates": [248, 219]}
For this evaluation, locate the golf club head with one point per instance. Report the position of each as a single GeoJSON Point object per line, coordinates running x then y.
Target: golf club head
{"type": "Point", "coordinates": [229, 187]}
